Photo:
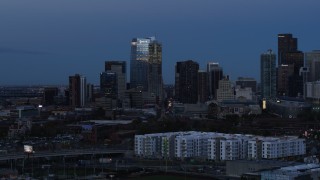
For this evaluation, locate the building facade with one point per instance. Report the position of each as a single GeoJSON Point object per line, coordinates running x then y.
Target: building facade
{"type": "Point", "coordinates": [77, 90]}
{"type": "Point", "coordinates": [313, 63]}
{"type": "Point", "coordinates": [216, 146]}
{"type": "Point", "coordinates": [186, 82]}
{"type": "Point", "coordinates": [119, 68]}
{"type": "Point", "coordinates": [146, 65]}
{"type": "Point", "coordinates": [225, 90]}
{"type": "Point", "coordinates": [285, 71]}
{"type": "Point", "coordinates": [286, 43]}
{"type": "Point", "coordinates": [268, 74]}
{"type": "Point", "coordinates": [203, 88]}
{"type": "Point", "coordinates": [215, 74]}
{"type": "Point", "coordinates": [288, 54]}
{"type": "Point", "coordinates": [246, 82]}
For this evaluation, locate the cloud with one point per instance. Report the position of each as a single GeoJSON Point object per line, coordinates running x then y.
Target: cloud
{"type": "Point", "coordinates": [5, 50]}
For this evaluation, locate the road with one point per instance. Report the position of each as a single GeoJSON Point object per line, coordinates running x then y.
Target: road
{"type": "Point", "coordinates": [74, 152]}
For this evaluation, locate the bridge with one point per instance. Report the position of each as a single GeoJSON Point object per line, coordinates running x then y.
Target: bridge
{"type": "Point", "coordinates": [66, 153]}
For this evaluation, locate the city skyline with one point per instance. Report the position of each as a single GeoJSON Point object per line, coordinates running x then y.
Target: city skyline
{"type": "Point", "coordinates": [45, 42]}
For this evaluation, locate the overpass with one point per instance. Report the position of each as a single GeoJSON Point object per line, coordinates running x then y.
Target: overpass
{"type": "Point", "coordinates": [65, 153]}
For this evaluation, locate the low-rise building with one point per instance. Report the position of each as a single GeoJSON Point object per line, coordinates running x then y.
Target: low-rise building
{"type": "Point", "coordinates": [217, 146]}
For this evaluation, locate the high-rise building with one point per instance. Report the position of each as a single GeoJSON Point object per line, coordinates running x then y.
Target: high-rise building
{"type": "Point", "coordinates": [246, 82]}
{"type": "Point", "coordinates": [285, 71]}
{"type": "Point", "coordinates": [186, 82]}
{"type": "Point", "coordinates": [215, 74]}
{"type": "Point", "coordinates": [119, 68]}
{"type": "Point", "coordinates": [77, 90]}
{"type": "Point", "coordinates": [203, 94]}
{"type": "Point", "coordinates": [109, 85]}
{"type": "Point", "coordinates": [83, 91]}
{"type": "Point", "coordinates": [146, 65]}
{"type": "Point", "coordinates": [90, 91]}
{"type": "Point", "coordinates": [313, 63]}
{"type": "Point", "coordinates": [288, 54]}
{"type": "Point", "coordinates": [286, 43]}
{"type": "Point", "coordinates": [225, 90]}
{"type": "Point", "coordinates": [268, 74]}
{"type": "Point", "coordinates": [155, 83]}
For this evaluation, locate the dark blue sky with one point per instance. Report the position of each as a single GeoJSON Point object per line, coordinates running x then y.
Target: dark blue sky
{"type": "Point", "coordinates": [43, 42]}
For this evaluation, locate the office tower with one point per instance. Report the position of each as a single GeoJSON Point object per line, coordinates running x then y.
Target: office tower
{"type": "Point", "coordinates": [109, 85]}
{"type": "Point", "coordinates": [155, 84]}
{"type": "Point", "coordinates": [246, 82]}
{"type": "Point", "coordinates": [286, 43]}
{"type": "Point", "coordinates": [215, 74]}
{"type": "Point", "coordinates": [288, 54]}
{"type": "Point", "coordinates": [186, 82]}
{"type": "Point", "coordinates": [268, 74]}
{"type": "Point", "coordinates": [83, 91]}
{"type": "Point", "coordinates": [90, 91]}
{"type": "Point", "coordinates": [225, 90]}
{"type": "Point", "coordinates": [77, 90]}
{"type": "Point", "coordinates": [203, 94]}
{"type": "Point", "coordinates": [313, 63]}
{"type": "Point", "coordinates": [119, 68]}
{"type": "Point", "coordinates": [285, 71]}
{"type": "Point", "coordinates": [146, 65]}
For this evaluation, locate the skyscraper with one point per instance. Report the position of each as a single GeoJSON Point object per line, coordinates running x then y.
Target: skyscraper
{"type": "Point", "coordinates": [83, 91]}
{"type": "Point", "coordinates": [119, 68]}
{"type": "Point", "coordinates": [225, 91]}
{"type": "Point", "coordinates": [77, 90]}
{"type": "Point", "coordinates": [268, 74]}
{"type": "Point", "coordinates": [286, 43]}
{"type": "Point", "coordinates": [203, 94]}
{"type": "Point", "coordinates": [155, 84]}
{"type": "Point", "coordinates": [186, 82]}
{"type": "Point", "coordinates": [109, 85]}
{"type": "Point", "coordinates": [215, 74]}
{"type": "Point", "coordinates": [313, 63]}
{"type": "Point", "coordinates": [146, 65]}
{"type": "Point", "coordinates": [288, 54]}
{"type": "Point", "coordinates": [285, 71]}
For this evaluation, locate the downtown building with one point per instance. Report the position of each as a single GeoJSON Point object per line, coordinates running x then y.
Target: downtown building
{"type": "Point", "coordinates": [108, 90]}
{"type": "Point", "coordinates": [246, 82]}
{"type": "Point", "coordinates": [215, 74]}
{"type": "Point", "coordinates": [290, 59]}
{"type": "Point", "coordinates": [203, 94]}
{"type": "Point", "coordinates": [217, 146]}
{"type": "Point", "coordinates": [268, 75]}
{"type": "Point", "coordinates": [119, 69]}
{"type": "Point", "coordinates": [313, 64]}
{"type": "Point", "coordinates": [146, 67]}
{"type": "Point", "coordinates": [186, 82]}
{"type": "Point", "coordinates": [225, 92]}
{"type": "Point", "coordinates": [77, 90]}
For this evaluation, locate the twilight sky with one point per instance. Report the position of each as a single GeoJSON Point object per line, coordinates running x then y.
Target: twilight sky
{"type": "Point", "coordinates": [43, 41]}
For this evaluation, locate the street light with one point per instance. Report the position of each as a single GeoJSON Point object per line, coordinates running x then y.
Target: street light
{"type": "Point", "coordinates": [29, 150]}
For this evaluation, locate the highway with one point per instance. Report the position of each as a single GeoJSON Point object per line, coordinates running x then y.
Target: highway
{"type": "Point", "coordinates": [65, 153]}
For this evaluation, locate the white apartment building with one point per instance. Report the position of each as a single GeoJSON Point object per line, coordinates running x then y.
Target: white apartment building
{"type": "Point", "coordinates": [192, 145]}
{"type": "Point", "coordinates": [217, 146]}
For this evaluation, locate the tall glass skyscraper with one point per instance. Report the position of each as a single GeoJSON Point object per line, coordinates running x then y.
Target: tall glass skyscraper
{"type": "Point", "coordinates": [146, 65]}
{"type": "Point", "coordinates": [268, 75]}
{"type": "Point", "coordinates": [215, 75]}
{"type": "Point", "coordinates": [77, 90]}
{"type": "Point", "coordinates": [186, 81]}
{"type": "Point", "coordinates": [118, 67]}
